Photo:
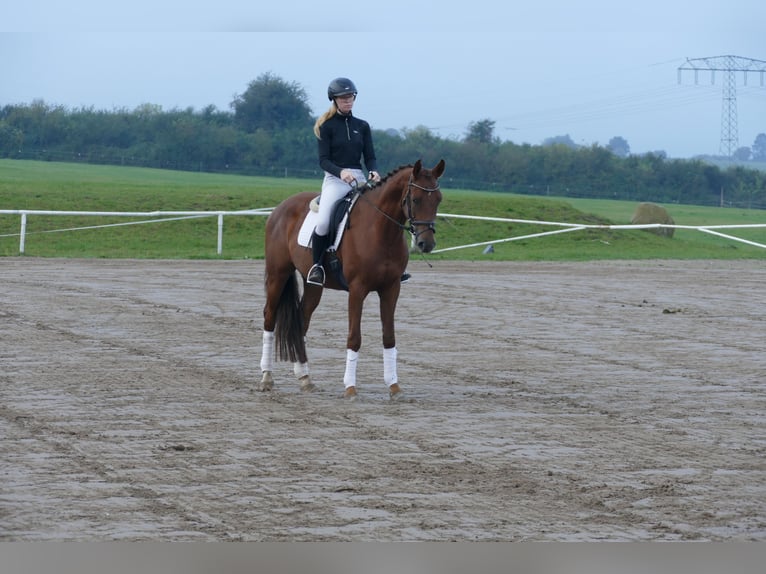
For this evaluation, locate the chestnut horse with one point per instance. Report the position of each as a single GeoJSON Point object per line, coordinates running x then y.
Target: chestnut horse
{"type": "Point", "coordinates": [373, 255]}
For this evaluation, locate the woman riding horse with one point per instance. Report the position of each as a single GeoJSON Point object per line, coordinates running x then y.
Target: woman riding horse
{"type": "Point", "coordinates": [343, 140]}
{"type": "Point", "coordinates": [372, 255]}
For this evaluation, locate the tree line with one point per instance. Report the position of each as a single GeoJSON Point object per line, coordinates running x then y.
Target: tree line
{"type": "Point", "coordinates": [268, 131]}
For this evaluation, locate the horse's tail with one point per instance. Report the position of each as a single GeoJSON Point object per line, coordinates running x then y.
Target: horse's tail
{"type": "Point", "coordinates": [288, 330]}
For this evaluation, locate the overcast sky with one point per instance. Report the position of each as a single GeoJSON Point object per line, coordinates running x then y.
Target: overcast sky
{"type": "Point", "coordinates": [591, 69]}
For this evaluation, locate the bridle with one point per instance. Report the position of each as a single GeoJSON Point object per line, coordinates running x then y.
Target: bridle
{"type": "Point", "coordinates": [410, 223]}
{"type": "Point", "coordinates": [429, 224]}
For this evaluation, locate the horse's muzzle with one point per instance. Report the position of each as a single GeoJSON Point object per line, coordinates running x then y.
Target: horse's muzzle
{"type": "Point", "coordinates": [426, 247]}
{"type": "Point", "coordinates": [426, 241]}
{"type": "Point", "coordinates": [424, 232]}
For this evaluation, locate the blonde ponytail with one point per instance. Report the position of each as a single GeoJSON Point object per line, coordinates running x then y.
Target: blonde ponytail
{"type": "Point", "coordinates": [324, 117]}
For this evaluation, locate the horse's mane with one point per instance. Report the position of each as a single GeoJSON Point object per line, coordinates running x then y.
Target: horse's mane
{"type": "Point", "coordinates": [391, 174]}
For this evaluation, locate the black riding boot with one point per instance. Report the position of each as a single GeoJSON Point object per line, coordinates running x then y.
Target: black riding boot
{"type": "Point", "coordinates": [319, 244]}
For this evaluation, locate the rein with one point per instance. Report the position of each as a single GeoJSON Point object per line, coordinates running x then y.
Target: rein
{"type": "Point", "coordinates": [410, 222]}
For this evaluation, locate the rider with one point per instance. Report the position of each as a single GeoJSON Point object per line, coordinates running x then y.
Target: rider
{"type": "Point", "coordinates": [344, 140]}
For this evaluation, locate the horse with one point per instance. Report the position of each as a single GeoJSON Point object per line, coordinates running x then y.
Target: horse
{"type": "Point", "coordinates": [372, 256]}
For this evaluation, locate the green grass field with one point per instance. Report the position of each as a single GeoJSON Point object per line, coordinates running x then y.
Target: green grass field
{"type": "Point", "coordinates": [76, 187]}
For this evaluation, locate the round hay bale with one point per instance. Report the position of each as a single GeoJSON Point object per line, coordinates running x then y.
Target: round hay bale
{"type": "Point", "coordinates": [652, 213]}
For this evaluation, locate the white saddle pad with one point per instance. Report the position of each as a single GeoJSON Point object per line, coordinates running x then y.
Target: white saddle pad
{"type": "Point", "coordinates": [304, 235]}
{"type": "Point", "coordinates": [310, 222]}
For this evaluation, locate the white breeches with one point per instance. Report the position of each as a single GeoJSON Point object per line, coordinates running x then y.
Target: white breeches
{"type": "Point", "coordinates": [333, 190]}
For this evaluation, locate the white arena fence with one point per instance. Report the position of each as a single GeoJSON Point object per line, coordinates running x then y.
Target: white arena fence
{"type": "Point", "coordinates": [162, 216]}
{"type": "Point", "coordinates": [158, 217]}
{"type": "Point", "coordinates": [567, 227]}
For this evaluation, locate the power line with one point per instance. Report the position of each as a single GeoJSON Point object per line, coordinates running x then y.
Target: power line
{"type": "Point", "coordinates": [624, 105]}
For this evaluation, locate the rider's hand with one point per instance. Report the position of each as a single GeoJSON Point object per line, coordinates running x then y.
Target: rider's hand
{"type": "Point", "coordinates": [347, 175]}
{"type": "Point", "coordinates": [375, 176]}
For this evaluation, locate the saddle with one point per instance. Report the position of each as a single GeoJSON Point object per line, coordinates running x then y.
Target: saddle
{"type": "Point", "coordinates": [339, 222]}
{"type": "Point", "coordinates": [339, 216]}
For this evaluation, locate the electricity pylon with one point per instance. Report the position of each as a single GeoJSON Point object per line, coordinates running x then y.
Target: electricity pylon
{"type": "Point", "coordinates": [729, 65]}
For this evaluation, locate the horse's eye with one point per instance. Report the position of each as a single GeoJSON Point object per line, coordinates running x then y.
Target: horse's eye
{"type": "Point", "coordinates": [417, 200]}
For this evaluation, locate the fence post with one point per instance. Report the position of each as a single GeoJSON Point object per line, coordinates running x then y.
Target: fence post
{"type": "Point", "coordinates": [220, 233]}
{"type": "Point", "coordinates": [22, 235]}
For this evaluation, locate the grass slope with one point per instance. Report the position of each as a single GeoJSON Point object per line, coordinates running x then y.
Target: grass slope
{"type": "Point", "coordinates": [78, 187]}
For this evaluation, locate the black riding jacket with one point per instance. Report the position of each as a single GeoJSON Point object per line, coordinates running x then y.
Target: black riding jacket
{"type": "Point", "coordinates": [343, 142]}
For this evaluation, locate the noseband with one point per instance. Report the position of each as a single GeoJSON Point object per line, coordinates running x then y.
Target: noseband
{"type": "Point", "coordinates": [412, 223]}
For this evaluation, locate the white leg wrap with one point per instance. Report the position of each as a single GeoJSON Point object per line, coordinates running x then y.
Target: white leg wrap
{"type": "Point", "coordinates": [389, 366]}
{"type": "Point", "coordinates": [349, 378]}
{"type": "Point", "coordinates": [300, 369]}
{"type": "Point", "coordinates": [267, 354]}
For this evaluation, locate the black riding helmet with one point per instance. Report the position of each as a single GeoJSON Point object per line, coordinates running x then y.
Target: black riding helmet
{"type": "Point", "coordinates": [340, 87]}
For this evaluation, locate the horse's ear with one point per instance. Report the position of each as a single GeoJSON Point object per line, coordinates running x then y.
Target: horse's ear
{"type": "Point", "coordinates": [416, 168]}
{"type": "Point", "coordinates": [438, 170]}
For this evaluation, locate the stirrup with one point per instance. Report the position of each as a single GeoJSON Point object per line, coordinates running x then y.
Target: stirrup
{"type": "Point", "coordinates": [316, 275]}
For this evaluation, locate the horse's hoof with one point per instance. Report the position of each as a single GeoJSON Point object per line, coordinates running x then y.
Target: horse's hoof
{"type": "Point", "coordinates": [350, 394]}
{"type": "Point", "coordinates": [306, 385]}
{"type": "Point", "coordinates": [267, 382]}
